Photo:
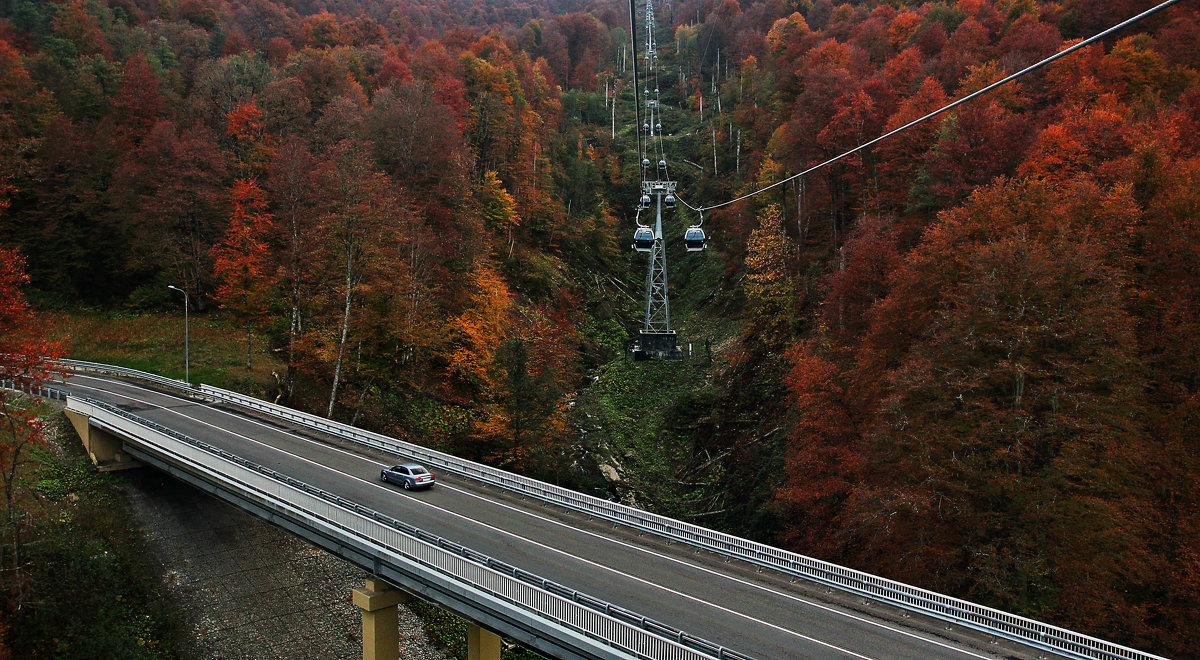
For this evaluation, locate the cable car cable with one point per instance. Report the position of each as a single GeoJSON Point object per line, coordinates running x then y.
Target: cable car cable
{"type": "Point", "coordinates": [1022, 72]}
{"type": "Point", "coordinates": [633, 44]}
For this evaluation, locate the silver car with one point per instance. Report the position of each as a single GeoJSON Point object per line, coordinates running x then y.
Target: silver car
{"type": "Point", "coordinates": [409, 475]}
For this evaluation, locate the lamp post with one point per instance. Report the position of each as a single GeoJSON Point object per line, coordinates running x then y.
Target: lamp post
{"type": "Point", "coordinates": [187, 367]}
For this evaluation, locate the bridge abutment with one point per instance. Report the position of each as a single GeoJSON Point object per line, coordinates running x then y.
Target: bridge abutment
{"type": "Point", "coordinates": [105, 449]}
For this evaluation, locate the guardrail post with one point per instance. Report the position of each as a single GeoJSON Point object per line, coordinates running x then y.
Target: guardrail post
{"type": "Point", "coordinates": [380, 625]}
{"type": "Point", "coordinates": [482, 644]}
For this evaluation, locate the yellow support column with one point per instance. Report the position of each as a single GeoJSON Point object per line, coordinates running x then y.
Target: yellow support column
{"type": "Point", "coordinates": [482, 644]}
{"type": "Point", "coordinates": [381, 627]}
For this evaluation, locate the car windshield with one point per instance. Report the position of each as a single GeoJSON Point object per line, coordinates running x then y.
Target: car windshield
{"type": "Point", "coordinates": [419, 470]}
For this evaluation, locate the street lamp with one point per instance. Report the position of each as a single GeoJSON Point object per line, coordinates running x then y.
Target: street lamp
{"type": "Point", "coordinates": [187, 367]}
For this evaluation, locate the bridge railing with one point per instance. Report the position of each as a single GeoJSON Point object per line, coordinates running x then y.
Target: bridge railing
{"type": "Point", "coordinates": [413, 550]}
{"type": "Point", "coordinates": [952, 610]}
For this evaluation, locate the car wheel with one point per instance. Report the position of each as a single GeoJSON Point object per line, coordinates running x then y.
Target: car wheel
{"type": "Point", "coordinates": [383, 477]}
{"type": "Point", "coordinates": [407, 485]}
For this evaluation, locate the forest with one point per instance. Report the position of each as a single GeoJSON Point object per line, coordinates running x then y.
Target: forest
{"type": "Point", "coordinates": [967, 357]}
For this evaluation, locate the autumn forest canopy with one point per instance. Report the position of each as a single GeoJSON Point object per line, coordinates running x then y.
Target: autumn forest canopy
{"type": "Point", "coordinates": [967, 357]}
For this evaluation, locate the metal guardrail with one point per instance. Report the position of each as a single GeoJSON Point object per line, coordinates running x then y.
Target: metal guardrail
{"type": "Point", "coordinates": [34, 390]}
{"type": "Point", "coordinates": [412, 547]}
{"type": "Point", "coordinates": [80, 365]}
{"type": "Point", "coordinates": [946, 608]}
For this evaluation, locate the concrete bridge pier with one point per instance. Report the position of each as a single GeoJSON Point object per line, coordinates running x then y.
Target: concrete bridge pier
{"type": "Point", "coordinates": [378, 601]}
{"type": "Point", "coordinates": [380, 625]}
{"type": "Point", "coordinates": [482, 644]}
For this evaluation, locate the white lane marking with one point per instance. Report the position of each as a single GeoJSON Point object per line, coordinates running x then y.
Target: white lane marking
{"type": "Point", "coordinates": [740, 581]}
{"type": "Point", "coordinates": [630, 546]}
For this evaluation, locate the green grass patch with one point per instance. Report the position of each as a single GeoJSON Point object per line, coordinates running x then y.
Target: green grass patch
{"type": "Point", "coordinates": [58, 480]}
{"type": "Point", "coordinates": [155, 343]}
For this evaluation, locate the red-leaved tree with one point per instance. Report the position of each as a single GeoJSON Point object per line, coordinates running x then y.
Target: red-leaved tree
{"type": "Point", "coordinates": [25, 359]}
{"type": "Point", "coordinates": [243, 263]}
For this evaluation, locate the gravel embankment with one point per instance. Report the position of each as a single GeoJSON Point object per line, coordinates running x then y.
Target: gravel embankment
{"type": "Point", "coordinates": [249, 590]}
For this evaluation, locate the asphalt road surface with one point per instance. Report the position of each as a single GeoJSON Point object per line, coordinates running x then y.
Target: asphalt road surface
{"type": "Point", "coordinates": [761, 614]}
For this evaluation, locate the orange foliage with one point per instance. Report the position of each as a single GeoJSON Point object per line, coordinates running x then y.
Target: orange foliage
{"type": "Point", "coordinates": [322, 30]}
{"type": "Point", "coordinates": [990, 319]}
{"type": "Point", "coordinates": [253, 148]}
{"type": "Point", "coordinates": [243, 266]}
{"type": "Point", "coordinates": [903, 29]}
{"type": "Point", "coordinates": [74, 24]}
{"type": "Point", "coordinates": [480, 328]}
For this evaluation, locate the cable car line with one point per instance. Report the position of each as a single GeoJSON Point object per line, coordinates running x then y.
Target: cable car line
{"type": "Point", "coordinates": [1023, 72]}
{"type": "Point", "coordinates": [633, 45]}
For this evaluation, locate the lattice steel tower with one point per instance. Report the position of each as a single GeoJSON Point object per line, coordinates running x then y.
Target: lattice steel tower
{"type": "Point", "coordinates": [658, 304]}
{"type": "Point", "coordinates": [657, 339]}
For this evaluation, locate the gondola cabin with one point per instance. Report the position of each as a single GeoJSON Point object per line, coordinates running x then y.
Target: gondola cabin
{"type": "Point", "coordinates": [643, 239]}
{"type": "Point", "coordinates": [644, 202]}
{"type": "Point", "coordinates": [693, 239]}
{"type": "Point", "coordinates": [669, 202]}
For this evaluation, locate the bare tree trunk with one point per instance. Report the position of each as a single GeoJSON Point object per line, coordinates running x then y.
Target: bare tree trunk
{"type": "Point", "coordinates": [714, 134]}
{"type": "Point", "coordinates": [341, 349]}
{"type": "Point", "coordinates": [14, 524]}
{"type": "Point", "coordinates": [801, 220]}
{"type": "Point", "coordinates": [739, 153]}
{"type": "Point", "coordinates": [296, 327]}
{"type": "Point", "coordinates": [614, 110]}
{"type": "Point", "coordinates": [361, 397]}
{"type": "Point", "coordinates": [294, 330]}
{"type": "Point", "coordinates": [833, 215]}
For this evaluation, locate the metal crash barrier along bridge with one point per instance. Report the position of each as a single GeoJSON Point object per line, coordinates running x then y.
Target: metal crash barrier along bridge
{"type": "Point", "coordinates": [540, 612]}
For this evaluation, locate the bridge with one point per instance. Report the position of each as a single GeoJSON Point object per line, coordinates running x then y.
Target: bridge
{"type": "Point", "coordinates": [568, 575]}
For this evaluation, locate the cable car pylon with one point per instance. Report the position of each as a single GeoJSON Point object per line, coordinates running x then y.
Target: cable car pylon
{"type": "Point", "coordinates": [656, 339]}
